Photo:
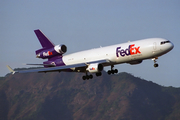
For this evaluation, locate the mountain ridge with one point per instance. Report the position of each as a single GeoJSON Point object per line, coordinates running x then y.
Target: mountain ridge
{"type": "Point", "coordinates": [66, 96]}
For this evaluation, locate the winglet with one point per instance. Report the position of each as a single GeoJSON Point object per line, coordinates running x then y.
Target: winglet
{"type": "Point", "coordinates": [10, 69]}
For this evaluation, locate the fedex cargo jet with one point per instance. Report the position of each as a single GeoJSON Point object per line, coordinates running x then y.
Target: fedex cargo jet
{"type": "Point", "coordinates": [94, 60]}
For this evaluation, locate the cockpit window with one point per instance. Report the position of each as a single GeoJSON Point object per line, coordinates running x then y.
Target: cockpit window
{"type": "Point", "coordinates": [163, 42]}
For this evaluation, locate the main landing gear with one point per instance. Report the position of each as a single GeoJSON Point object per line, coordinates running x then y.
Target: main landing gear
{"type": "Point", "coordinates": [112, 71]}
{"type": "Point", "coordinates": [155, 64]}
{"type": "Point", "coordinates": [87, 77]}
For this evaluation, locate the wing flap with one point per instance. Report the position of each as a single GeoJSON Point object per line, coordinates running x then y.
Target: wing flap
{"type": "Point", "coordinates": [52, 69]}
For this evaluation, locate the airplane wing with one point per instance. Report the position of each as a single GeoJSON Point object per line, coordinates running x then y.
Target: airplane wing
{"type": "Point", "coordinates": [58, 68]}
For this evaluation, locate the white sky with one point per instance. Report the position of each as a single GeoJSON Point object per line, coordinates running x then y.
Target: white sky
{"type": "Point", "coordinates": [82, 25]}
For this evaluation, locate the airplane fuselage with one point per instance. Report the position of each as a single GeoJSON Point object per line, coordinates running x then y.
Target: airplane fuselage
{"type": "Point", "coordinates": [129, 52]}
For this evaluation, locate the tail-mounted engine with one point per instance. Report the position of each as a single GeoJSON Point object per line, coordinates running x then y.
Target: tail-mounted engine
{"type": "Point", "coordinates": [61, 49]}
{"type": "Point", "coordinates": [51, 52]}
{"type": "Point", "coordinates": [95, 68]}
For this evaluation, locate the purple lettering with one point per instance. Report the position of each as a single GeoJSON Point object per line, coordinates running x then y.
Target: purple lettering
{"type": "Point", "coordinates": [122, 53]}
{"type": "Point", "coordinates": [127, 51]}
{"type": "Point", "coordinates": [131, 50]}
{"type": "Point", "coordinates": [117, 51]}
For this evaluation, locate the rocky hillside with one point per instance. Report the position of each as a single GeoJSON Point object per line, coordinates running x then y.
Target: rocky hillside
{"type": "Point", "coordinates": [65, 96]}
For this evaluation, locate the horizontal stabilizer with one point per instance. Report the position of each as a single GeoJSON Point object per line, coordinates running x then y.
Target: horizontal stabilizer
{"type": "Point", "coordinates": [50, 65]}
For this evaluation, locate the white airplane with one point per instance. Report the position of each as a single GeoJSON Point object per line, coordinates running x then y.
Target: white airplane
{"type": "Point", "coordinates": [94, 60]}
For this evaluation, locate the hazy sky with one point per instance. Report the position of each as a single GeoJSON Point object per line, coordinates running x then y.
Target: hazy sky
{"type": "Point", "coordinates": [82, 24]}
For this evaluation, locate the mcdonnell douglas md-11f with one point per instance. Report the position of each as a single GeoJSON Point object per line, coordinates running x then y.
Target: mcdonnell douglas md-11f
{"type": "Point", "coordinates": [94, 60]}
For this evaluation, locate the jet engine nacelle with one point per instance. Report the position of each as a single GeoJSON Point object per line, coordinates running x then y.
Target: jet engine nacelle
{"type": "Point", "coordinates": [94, 68]}
{"type": "Point", "coordinates": [51, 52]}
{"type": "Point", "coordinates": [61, 49]}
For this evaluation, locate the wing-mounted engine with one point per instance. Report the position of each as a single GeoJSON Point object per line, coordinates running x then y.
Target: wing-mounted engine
{"type": "Point", "coordinates": [51, 52]}
{"type": "Point", "coordinates": [95, 68]}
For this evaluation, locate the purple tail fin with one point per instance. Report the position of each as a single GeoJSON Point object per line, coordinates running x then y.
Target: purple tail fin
{"type": "Point", "coordinates": [45, 42]}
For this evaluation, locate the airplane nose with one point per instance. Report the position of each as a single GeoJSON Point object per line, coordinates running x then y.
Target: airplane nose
{"type": "Point", "coordinates": [171, 45]}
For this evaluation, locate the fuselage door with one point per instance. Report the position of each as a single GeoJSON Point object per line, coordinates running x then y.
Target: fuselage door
{"type": "Point", "coordinates": [154, 46]}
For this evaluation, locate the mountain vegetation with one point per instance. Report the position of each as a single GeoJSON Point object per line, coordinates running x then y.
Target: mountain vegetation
{"type": "Point", "coordinates": [65, 96]}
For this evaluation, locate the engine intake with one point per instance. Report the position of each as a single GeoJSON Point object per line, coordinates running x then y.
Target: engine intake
{"type": "Point", "coordinates": [61, 49]}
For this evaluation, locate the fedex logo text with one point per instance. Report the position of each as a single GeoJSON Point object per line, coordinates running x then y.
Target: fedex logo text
{"type": "Point", "coordinates": [47, 54]}
{"type": "Point", "coordinates": [131, 50]}
{"type": "Point", "coordinates": [92, 68]}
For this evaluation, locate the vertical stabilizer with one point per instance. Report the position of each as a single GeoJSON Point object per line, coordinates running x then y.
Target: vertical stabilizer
{"type": "Point", "coordinates": [45, 42]}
